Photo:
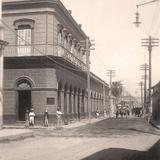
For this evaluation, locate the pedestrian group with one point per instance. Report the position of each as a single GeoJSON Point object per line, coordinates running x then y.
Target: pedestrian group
{"type": "Point", "coordinates": [30, 117]}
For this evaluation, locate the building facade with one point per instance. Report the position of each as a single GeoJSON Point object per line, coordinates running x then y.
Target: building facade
{"type": "Point", "coordinates": [156, 102]}
{"type": "Point", "coordinates": [45, 63]}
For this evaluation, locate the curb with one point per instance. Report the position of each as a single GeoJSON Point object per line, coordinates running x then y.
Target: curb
{"type": "Point", "coordinates": [154, 125]}
{"type": "Point", "coordinates": [69, 125]}
{"type": "Point", "coordinates": [18, 136]}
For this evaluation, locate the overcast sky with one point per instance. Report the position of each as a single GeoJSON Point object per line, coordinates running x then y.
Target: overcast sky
{"type": "Point", "coordinates": [117, 40]}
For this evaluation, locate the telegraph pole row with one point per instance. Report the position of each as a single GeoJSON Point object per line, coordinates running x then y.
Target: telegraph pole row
{"type": "Point", "coordinates": [150, 43]}
{"type": "Point", "coordinates": [145, 68]}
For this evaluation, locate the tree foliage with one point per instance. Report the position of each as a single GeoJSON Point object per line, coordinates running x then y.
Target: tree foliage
{"type": "Point", "coordinates": [116, 89]}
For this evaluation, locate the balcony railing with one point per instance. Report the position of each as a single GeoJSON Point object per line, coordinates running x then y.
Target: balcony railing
{"type": "Point", "coordinates": [42, 50]}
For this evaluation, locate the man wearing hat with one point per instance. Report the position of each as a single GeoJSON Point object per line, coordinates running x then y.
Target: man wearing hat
{"type": "Point", "coordinates": [46, 117]}
{"type": "Point", "coordinates": [58, 114]}
{"type": "Point", "coordinates": [31, 117]}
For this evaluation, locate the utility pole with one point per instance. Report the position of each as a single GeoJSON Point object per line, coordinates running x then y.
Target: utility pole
{"type": "Point", "coordinates": [2, 45]}
{"type": "Point", "coordinates": [111, 74]}
{"type": "Point", "coordinates": [145, 67]}
{"type": "Point", "coordinates": [150, 43]}
{"type": "Point", "coordinates": [141, 85]}
{"type": "Point", "coordinates": [88, 45]}
{"type": "Point", "coordinates": [104, 96]}
{"type": "Point", "coordinates": [88, 77]}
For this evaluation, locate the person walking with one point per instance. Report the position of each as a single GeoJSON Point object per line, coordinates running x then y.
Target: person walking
{"type": "Point", "coordinates": [97, 113]}
{"type": "Point", "coordinates": [105, 114]}
{"type": "Point", "coordinates": [31, 117]}
{"type": "Point", "coordinates": [46, 118]}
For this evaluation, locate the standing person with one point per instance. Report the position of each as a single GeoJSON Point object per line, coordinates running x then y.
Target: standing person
{"type": "Point", "coordinates": [59, 119]}
{"type": "Point", "coordinates": [27, 118]}
{"type": "Point", "coordinates": [46, 118]}
{"type": "Point", "coordinates": [105, 114]}
{"type": "Point", "coordinates": [97, 114]}
{"type": "Point", "coordinates": [31, 117]}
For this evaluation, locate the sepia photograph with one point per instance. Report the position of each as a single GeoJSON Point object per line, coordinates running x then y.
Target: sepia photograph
{"type": "Point", "coordinates": [79, 80]}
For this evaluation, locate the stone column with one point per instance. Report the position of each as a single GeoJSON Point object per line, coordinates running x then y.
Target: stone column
{"type": "Point", "coordinates": [67, 105]}
{"type": "Point", "coordinates": [75, 105]}
{"type": "Point", "coordinates": [82, 104]}
{"type": "Point", "coordinates": [96, 102]}
{"type": "Point", "coordinates": [93, 105]}
{"type": "Point", "coordinates": [72, 104]}
{"type": "Point", "coordinates": [62, 101]}
{"type": "Point", "coordinates": [78, 106]}
{"type": "Point", "coordinates": [85, 105]}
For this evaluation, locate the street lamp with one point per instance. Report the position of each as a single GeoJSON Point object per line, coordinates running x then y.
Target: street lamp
{"type": "Point", "coordinates": [149, 43]}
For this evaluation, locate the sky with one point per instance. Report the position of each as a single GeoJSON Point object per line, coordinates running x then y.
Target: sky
{"type": "Point", "coordinates": [117, 39]}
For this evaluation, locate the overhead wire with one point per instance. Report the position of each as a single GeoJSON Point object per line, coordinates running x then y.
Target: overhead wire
{"type": "Point", "coordinates": [154, 19]}
{"type": "Point", "coordinates": [49, 57]}
{"type": "Point", "coordinates": [156, 32]}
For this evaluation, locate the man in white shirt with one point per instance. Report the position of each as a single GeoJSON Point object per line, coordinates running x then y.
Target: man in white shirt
{"type": "Point", "coordinates": [31, 117]}
{"type": "Point", "coordinates": [59, 119]}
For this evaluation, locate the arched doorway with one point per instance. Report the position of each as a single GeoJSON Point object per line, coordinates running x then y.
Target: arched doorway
{"type": "Point", "coordinates": [24, 98]}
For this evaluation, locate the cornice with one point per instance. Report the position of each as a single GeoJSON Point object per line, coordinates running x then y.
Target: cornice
{"type": "Point", "coordinates": [10, 5]}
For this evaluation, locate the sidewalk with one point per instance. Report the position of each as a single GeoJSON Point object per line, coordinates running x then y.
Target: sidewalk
{"type": "Point", "coordinates": [72, 124]}
{"type": "Point", "coordinates": [16, 132]}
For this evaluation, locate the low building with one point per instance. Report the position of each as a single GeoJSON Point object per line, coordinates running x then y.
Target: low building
{"type": "Point", "coordinates": [45, 63]}
{"type": "Point", "coordinates": [156, 102]}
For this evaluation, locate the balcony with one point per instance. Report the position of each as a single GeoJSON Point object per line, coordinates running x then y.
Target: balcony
{"type": "Point", "coordinates": [44, 50]}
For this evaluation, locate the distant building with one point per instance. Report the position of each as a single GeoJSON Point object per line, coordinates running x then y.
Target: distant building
{"type": "Point", "coordinates": [156, 102]}
{"type": "Point", "coordinates": [45, 62]}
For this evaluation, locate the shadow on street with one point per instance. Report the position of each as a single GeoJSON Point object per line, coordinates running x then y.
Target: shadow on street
{"type": "Point", "coordinates": [126, 154]}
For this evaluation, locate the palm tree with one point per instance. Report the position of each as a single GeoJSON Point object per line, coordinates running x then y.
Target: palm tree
{"type": "Point", "coordinates": [116, 89]}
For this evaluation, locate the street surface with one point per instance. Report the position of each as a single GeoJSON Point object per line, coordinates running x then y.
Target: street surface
{"type": "Point", "coordinates": [110, 139]}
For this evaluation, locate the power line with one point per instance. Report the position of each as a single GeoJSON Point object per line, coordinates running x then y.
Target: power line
{"type": "Point", "coordinates": [155, 17]}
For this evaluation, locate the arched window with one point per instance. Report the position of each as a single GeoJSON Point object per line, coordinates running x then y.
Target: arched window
{"type": "Point", "coordinates": [23, 84]}
{"type": "Point", "coordinates": [24, 28]}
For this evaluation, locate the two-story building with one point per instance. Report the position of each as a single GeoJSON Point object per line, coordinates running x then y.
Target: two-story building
{"type": "Point", "coordinates": [45, 62]}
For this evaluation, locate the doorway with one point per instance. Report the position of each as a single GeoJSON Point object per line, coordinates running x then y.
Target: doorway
{"type": "Point", "coordinates": [24, 98]}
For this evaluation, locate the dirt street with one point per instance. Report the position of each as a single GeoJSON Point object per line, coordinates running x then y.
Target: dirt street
{"type": "Point", "coordinates": [114, 140]}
